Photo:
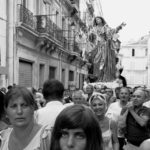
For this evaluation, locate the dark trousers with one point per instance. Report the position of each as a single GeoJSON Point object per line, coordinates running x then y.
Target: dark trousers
{"type": "Point", "coordinates": [121, 143]}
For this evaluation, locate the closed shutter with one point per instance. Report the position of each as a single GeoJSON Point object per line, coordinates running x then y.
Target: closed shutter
{"type": "Point", "coordinates": [25, 73]}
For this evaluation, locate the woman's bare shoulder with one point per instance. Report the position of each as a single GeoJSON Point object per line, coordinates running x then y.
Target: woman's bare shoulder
{"type": "Point", "coordinates": [145, 145]}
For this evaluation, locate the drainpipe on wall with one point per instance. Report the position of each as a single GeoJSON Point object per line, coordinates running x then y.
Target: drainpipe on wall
{"type": "Point", "coordinates": [10, 42]}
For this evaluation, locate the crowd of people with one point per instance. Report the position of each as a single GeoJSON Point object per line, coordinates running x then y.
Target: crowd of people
{"type": "Point", "coordinates": [94, 118]}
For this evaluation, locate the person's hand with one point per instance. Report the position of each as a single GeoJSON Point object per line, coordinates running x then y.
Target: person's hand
{"type": "Point", "coordinates": [130, 106]}
{"type": "Point", "coordinates": [123, 24]}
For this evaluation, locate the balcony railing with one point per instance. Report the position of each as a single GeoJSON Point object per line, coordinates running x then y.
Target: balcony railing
{"type": "Point", "coordinates": [47, 26]}
{"type": "Point", "coordinates": [25, 16]}
{"type": "Point", "coordinates": [43, 24]}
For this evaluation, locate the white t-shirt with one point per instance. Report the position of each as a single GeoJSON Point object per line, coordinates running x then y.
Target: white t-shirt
{"type": "Point", "coordinates": [114, 110]}
{"type": "Point", "coordinates": [48, 114]}
{"type": "Point", "coordinates": [113, 113]}
{"type": "Point", "coordinates": [147, 104]}
{"type": "Point", "coordinates": [41, 140]}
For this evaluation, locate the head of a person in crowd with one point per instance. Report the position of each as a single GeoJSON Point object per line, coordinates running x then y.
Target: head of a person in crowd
{"type": "Point", "coordinates": [76, 128]}
{"type": "Point", "coordinates": [9, 87]}
{"type": "Point", "coordinates": [119, 82]}
{"type": "Point", "coordinates": [109, 95]}
{"type": "Point", "coordinates": [78, 97]}
{"type": "Point", "coordinates": [40, 90]}
{"type": "Point", "coordinates": [19, 106]}
{"type": "Point", "coordinates": [39, 99]}
{"type": "Point", "coordinates": [146, 91]}
{"type": "Point", "coordinates": [103, 88]}
{"type": "Point", "coordinates": [1, 105]}
{"type": "Point", "coordinates": [139, 96]}
{"type": "Point", "coordinates": [97, 88]}
{"type": "Point", "coordinates": [66, 93]}
{"type": "Point", "coordinates": [135, 88]}
{"type": "Point", "coordinates": [119, 72]}
{"type": "Point", "coordinates": [14, 84]}
{"type": "Point", "coordinates": [67, 100]}
{"type": "Point", "coordinates": [117, 91]}
{"type": "Point", "coordinates": [99, 21]}
{"type": "Point", "coordinates": [130, 89]}
{"type": "Point", "coordinates": [53, 90]}
{"type": "Point", "coordinates": [98, 104]}
{"type": "Point", "coordinates": [124, 95]}
{"type": "Point", "coordinates": [4, 90]}
{"type": "Point", "coordinates": [89, 89]}
{"type": "Point", "coordinates": [109, 92]}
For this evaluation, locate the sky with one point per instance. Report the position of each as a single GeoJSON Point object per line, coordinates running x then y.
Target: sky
{"type": "Point", "coordinates": [135, 13]}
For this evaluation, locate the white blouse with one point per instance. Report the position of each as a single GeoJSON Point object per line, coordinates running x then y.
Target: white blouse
{"type": "Point", "coordinates": [41, 141]}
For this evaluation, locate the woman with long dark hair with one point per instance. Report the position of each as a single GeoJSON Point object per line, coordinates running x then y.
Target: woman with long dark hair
{"type": "Point", "coordinates": [76, 128]}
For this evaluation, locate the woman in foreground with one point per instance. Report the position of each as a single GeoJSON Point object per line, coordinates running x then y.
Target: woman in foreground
{"type": "Point", "coordinates": [25, 133]}
{"type": "Point", "coordinates": [76, 128]}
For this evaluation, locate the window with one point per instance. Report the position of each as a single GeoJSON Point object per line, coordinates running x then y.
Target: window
{"type": "Point", "coordinates": [133, 52]}
{"type": "Point", "coordinates": [71, 75]}
{"type": "Point", "coordinates": [52, 72]}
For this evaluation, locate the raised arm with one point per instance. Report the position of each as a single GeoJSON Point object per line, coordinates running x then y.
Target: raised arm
{"type": "Point", "coordinates": [120, 27]}
{"type": "Point", "coordinates": [140, 119]}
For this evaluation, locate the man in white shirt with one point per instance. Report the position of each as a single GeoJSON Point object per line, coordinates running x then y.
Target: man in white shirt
{"type": "Point", "coordinates": [53, 93]}
{"type": "Point", "coordinates": [115, 108]}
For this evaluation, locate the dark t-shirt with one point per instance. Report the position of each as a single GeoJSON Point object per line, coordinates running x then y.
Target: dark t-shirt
{"type": "Point", "coordinates": [136, 134]}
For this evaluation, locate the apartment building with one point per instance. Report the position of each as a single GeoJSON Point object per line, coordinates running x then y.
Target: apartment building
{"type": "Point", "coordinates": [135, 62]}
{"type": "Point", "coordinates": [42, 43]}
{"type": "Point", "coordinates": [3, 42]}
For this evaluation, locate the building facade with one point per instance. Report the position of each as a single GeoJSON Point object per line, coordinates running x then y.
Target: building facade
{"type": "Point", "coordinates": [135, 62]}
{"type": "Point", "coordinates": [43, 43]}
{"type": "Point", "coordinates": [3, 42]}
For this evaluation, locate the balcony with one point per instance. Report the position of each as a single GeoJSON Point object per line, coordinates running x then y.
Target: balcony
{"type": "Point", "coordinates": [44, 25]}
{"type": "Point", "coordinates": [25, 16]}
{"type": "Point", "coordinates": [68, 40]}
